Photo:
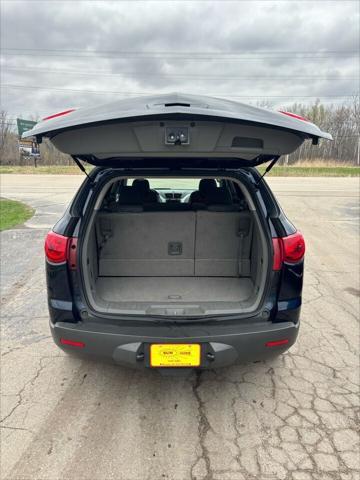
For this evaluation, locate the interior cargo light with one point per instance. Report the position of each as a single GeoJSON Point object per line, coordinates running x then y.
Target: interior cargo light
{"type": "Point", "coordinates": [294, 115]}
{"type": "Point", "coordinates": [275, 343]}
{"type": "Point", "coordinates": [73, 343]}
{"type": "Point", "coordinates": [59, 114]}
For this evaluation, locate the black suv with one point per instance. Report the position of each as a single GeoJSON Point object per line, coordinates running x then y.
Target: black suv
{"type": "Point", "coordinates": [174, 251]}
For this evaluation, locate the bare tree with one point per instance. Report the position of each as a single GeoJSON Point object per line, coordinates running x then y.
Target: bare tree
{"type": "Point", "coordinates": [5, 131]}
{"type": "Point", "coordinates": [342, 121]}
{"type": "Point", "coordinates": [9, 148]}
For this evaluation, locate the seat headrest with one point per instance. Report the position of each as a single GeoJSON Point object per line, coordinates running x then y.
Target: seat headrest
{"type": "Point", "coordinates": [141, 184]}
{"type": "Point", "coordinates": [129, 196]}
{"type": "Point", "coordinates": [219, 196]}
{"type": "Point", "coordinates": [207, 186]}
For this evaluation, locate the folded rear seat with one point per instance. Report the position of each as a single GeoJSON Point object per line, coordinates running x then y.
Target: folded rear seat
{"type": "Point", "coordinates": [138, 239]}
{"type": "Point", "coordinates": [223, 235]}
{"type": "Point", "coordinates": [223, 243]}
{"type": "Point", "coordinates": [146, 243]}
{"type": "Point", "coordinates": [202, 243]}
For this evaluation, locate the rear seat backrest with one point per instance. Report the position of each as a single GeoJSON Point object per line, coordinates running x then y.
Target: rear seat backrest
{"type": "Point", "coordinates": [199, 243]}
{"type": "Point", "coordinates": [223, 243]}
{"type": "Point", "coordinates": [146, 243]}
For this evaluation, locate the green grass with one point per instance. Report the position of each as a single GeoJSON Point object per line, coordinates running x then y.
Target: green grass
{"type": "Point", "coordinates": [294, 171]}
{"type": "Point", "coordinates": [44, 169]}
{"type": "Point", "coordinates": [291, 171]}
{"type": "Point", "coordinates": [13, 213]}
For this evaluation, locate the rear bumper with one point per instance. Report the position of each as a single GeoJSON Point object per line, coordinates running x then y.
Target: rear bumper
{"type": "Point", "coordinates": [221, 345]}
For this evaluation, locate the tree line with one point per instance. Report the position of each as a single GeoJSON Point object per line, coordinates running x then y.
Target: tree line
{"type": "Point", "coordinates": [341, 120]}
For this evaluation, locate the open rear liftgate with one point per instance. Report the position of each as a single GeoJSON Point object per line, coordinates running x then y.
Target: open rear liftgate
{"type": "Point", "coordinates": [176, 130]}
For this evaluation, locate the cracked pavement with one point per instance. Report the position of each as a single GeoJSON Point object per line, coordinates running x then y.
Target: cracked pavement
{"type": "Point", "coordinates": [292, 418]}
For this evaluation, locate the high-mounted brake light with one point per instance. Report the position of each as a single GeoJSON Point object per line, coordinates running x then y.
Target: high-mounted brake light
{"type": "Point", "coordinates": [290, 249]}
{"type": "Point", "coordinates": [59, 114]}
{"type": "Point", "coordinates": [72, 343]}
{"type": "Point", "coordinates": [294, 115]}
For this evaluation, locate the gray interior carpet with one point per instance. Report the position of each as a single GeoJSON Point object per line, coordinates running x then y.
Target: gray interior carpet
{"type": "Point", "coordinates": [173, 289]}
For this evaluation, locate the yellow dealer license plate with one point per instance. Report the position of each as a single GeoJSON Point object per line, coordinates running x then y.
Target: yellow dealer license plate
{"type": "Point", "coordinates": [175, 355]}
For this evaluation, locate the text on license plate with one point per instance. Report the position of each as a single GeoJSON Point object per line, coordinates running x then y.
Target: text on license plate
{"type": "Point", "coordinates": [175, 355]}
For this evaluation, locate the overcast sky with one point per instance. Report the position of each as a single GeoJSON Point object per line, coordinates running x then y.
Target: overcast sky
{"type": "Point", "coordinates": [63, 54]}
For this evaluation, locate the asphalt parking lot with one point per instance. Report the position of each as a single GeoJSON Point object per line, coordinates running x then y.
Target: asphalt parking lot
{"type": "Point", "coordinates": [293, 418]}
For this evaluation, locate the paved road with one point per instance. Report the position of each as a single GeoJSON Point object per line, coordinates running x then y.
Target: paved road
{"type": "Point", "coordinates": [293, 418]}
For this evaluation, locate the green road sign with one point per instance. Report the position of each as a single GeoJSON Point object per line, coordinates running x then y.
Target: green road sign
{"type": "Point", "coordinates": [24, 125]}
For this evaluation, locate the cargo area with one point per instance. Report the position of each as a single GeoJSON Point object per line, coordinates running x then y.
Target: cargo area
{"type": "Point", "coordinates": [171, 289]}
{"type": "Point", "coordinates": [173, 258]}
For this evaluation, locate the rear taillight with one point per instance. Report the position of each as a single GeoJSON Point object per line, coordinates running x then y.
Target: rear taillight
{"type": "Point", "coordinates": [56, 247]}
{"type": "Point", "coordinates": [293, 248]}
{"type": "Point", "coordinates": [289, 249]}
{"type": "Point", "coordinates": [61, 249]}
{"type": "Point", "coordinates": [278, 253]}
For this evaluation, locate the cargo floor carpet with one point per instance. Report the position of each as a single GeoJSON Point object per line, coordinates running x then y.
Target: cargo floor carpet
{"type": "Point", "coordinates": [173, 289]}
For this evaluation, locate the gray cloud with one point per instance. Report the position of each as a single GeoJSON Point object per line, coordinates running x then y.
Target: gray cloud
{"type": "Point", "coordinates": [280, 47]}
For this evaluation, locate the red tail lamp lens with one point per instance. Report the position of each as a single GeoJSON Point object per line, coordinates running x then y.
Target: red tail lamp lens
{"type": "Point", "coordinates": [289, 249]}
{"type": "Point", "coordinates": [56, 247]}
{"type": "Point", "coordinates": [294, 248]}
{"type": "Point", "coordinates": [72, 343]}
{"type": "Point", "coordinates": [276, 343]}
{"type": "Point", "coordinates": [278, 253]}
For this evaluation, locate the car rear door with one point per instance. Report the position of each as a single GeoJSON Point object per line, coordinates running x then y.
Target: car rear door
{"type": "Point", "coordinates": [176, 130]}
